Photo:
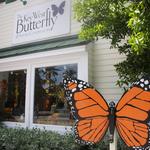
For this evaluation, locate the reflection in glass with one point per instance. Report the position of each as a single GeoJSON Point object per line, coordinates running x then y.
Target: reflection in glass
{"type": "Point", "coordinates": [50, 105]}
{"type": "Point", "coordinates": [12, 95]}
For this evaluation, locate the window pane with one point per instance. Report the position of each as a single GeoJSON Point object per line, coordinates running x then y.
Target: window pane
{"type": "Point", "coordinates": [50, 105]}
{"type": "Point", "coordinates": [12, 95]}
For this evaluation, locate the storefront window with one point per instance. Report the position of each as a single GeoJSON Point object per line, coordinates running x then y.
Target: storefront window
{"type": "Point", "coordinates": [12, 95]}
{"type": "Point", "coordinates": [50, 105]}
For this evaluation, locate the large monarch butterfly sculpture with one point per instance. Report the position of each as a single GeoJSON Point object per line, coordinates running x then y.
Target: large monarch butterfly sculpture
{"type": "Point", "coordinates": [131, 116]}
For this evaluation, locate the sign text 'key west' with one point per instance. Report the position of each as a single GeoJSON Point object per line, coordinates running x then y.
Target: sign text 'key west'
{"type": "Point", "coordinates": [43, 21]}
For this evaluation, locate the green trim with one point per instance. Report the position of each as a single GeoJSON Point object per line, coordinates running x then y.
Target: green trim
{"type": "Point", "coordinates": [1, 1]}
{"type": "Point", "coordinates": [9, 1]}
{"type": "Point", "coordinates": [47, 45]}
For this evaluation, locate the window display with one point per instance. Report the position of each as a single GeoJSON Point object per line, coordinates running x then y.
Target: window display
{"type": "Point", "coordinates": [50, 105]}
{"type": "Point", "coordinates": [12, 95]}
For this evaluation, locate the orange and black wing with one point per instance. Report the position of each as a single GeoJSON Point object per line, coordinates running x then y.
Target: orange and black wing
{"type": "Point", "coordinates": [89, 109]}
{"type": "Point", "coordinates": [133, 116]}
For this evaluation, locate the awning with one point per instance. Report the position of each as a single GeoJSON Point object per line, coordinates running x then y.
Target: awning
{"type": "Point", "coordinates": [47, 45]}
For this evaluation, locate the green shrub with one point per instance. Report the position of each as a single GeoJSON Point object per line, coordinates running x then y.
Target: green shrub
{"type": "Point", "coordinates": [25, 139]}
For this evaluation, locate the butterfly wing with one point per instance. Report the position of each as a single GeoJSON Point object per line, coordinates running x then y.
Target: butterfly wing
{"type": "Point", "coordinates": [133, 115]}
{"type": "Point", "coordinates": [55, 10]}
{"type": "Point", "coordinates": [89, 109]}
{"type": "Point", "coordinates": [134, 133]}
{"type": "Point", "coordinates": [92, 130]}
{"type": "Point", "coordinates": [61, 7]}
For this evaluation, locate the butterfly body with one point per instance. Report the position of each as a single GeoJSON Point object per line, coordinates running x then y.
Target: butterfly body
{"type": "Point", "coordinates": [130, 117]}
{"type": "Point", "coordinates": [112, 120]}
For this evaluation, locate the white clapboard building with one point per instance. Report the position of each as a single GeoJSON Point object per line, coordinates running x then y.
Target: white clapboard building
{"type": "Point", "coordinates": [39, 44]}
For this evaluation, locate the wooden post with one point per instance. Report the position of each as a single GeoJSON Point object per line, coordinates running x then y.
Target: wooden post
{"type": "Point", "coordinates": [113, 146]}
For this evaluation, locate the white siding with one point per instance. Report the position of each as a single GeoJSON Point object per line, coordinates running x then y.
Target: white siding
{"type": "Point", "coordinates": [7, 15]}
{"type": "Point", "coordinates": [101, 58]}
{"type": "Point", "coordinates": [90, 63]}
{"type": "Point", "coordinates": [104, 74]}
{"type": "Point", "coordinates": [75, 26]}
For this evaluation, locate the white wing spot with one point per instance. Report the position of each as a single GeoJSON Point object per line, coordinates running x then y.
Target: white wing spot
{"type": "Point", "coordinates": [80, 85]}
{"type": "Point", "coordinates": [146, 82]}
{"type": "Point", "coordinates": [73, 90]}
{"type": "Point", "coordinates": [142, 85]}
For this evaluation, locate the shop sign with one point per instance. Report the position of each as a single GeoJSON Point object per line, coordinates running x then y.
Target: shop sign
{"type": "Point", "coordinates": [44, 21]}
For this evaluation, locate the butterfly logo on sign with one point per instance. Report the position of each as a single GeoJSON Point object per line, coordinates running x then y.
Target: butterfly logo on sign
{"type": "Point", "coordinates": [57, 10]}
{"type": "Point", "coordinates": [94, 116]}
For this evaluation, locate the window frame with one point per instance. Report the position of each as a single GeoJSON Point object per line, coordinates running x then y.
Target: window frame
{"type": "Point", "coordinates": [73, 55]}
{"type": "Point", "coordinates": [17, 68]}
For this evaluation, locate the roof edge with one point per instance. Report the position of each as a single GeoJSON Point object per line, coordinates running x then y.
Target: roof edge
{"type": "Point", "coordinates": [58, 39]}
